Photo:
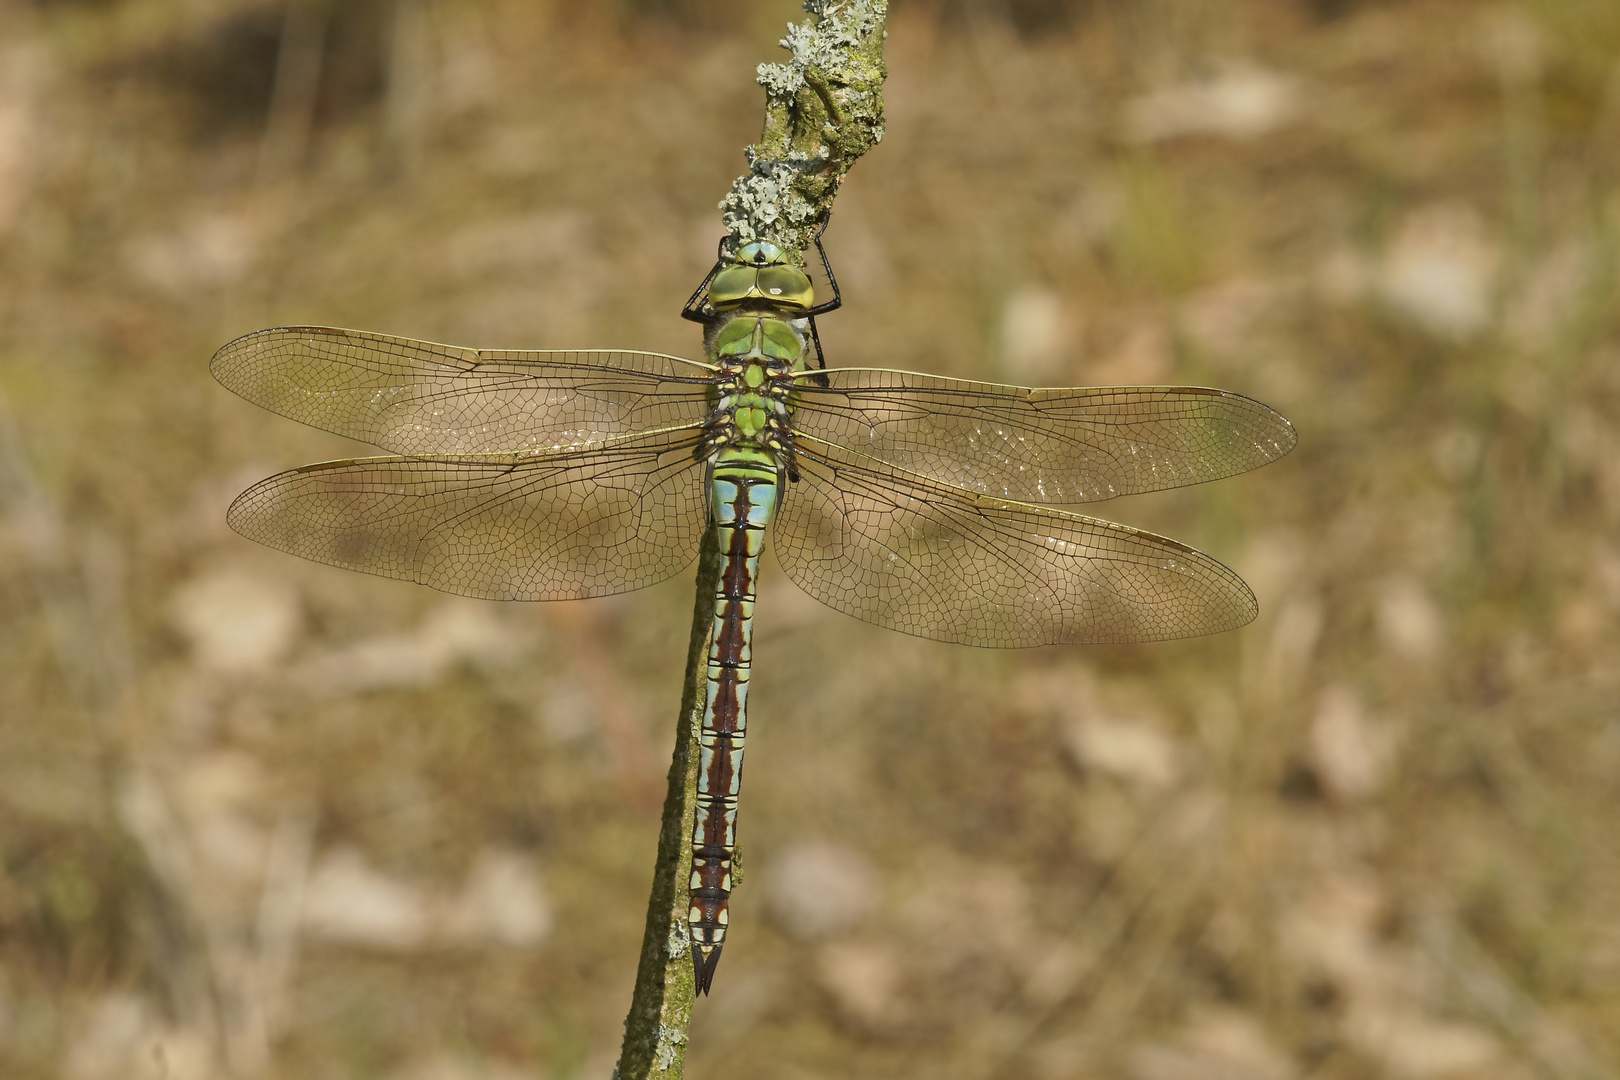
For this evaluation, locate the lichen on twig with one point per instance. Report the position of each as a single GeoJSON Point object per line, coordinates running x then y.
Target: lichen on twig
{"type": "Point", "coordinates": [823, 110]}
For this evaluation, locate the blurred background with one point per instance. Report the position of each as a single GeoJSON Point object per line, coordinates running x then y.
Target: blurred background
{"type": "Point", "coordinates": [263, 818]}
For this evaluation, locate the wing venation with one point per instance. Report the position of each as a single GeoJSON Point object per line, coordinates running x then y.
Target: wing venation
{"type": "Point", "coordinates": [495, 526]}
{"type": "Point", "coordinates": [917, 556]}
{"type": "Point", "coordinates": [418, 397]}
{"type": "Point", "coordinates": [1055, 446]}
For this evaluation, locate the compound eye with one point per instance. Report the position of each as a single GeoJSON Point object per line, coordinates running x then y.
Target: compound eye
{"type": "Point", "coordinates": [786, 286]}
{"type": "Point", "coordinates": [732, 286]}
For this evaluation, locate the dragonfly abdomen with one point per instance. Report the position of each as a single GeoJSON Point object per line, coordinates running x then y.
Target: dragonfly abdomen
{"type": "Point", "coordinates": [743, 494]}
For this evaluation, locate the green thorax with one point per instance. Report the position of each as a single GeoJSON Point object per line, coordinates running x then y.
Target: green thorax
{"type": "Point", "coordinates": [758, 342]}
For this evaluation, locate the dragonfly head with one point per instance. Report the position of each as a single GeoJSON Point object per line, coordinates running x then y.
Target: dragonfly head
{"type": "Point", "coordinates": [761, 274]}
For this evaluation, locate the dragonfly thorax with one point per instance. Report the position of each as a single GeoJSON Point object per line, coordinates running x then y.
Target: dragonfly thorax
{"type": "Point", "coordinates": [763, 336]}
{"type": "Point", "coordinates": [758, 355]}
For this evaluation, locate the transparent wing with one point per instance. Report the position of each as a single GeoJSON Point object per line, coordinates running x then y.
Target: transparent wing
{"type": "Point", "coordinates": [1046, 446]}
{"type": "Point", "coordinates": [927, 559]}
{"type": "Point", "coordinates": [499, 527]}
{"type": "Point", "coordinates": [415, 397]}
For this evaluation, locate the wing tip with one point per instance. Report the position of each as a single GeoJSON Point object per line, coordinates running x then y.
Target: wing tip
{"type": "Point", "coordinates": [236, 514]}
{"type": "Point", "coordinates": [1249, 609]}
{"type": "Point", "coordinates": [1290, 433]}
{"type": "Point", "coordinates": [227, 359]}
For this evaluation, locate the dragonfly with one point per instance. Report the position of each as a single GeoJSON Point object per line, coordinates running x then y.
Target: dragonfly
{"type": "Point", "coordinates": [924, 504]}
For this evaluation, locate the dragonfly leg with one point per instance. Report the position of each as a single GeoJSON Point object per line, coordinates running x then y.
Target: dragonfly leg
{"type": "Point", "coordinates": [821, 355]}
{"type": "Point", "coordinates": [694, 309]}
{"type": "Point", "coordinates": [837, 300]}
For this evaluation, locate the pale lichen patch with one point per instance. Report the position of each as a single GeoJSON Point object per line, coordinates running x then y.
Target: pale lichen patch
{"type": "Point", "coordinates": [824, 109]}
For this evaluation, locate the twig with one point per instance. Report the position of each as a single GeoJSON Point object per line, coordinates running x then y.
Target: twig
{"type": "Point", "coordinates": [297, 84]}
{"type": "Point", "coordinates": [824, 109]}
{"type": "Point", "coordinates": [661, 1007]}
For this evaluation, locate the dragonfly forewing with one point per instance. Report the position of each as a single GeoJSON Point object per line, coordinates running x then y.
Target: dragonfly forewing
{"type": "Point", "coordinates": [913, 555]}
{"type": "Point", "coordinates": [1057, 446]}
{"type": "Point", "coordinates": [495, 526]}
{"type": "Point", "coordinates": [417, 397]}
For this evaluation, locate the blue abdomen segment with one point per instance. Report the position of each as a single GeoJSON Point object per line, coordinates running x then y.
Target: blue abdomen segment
{"type": "Point", "coordinates": [743, 496]}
